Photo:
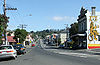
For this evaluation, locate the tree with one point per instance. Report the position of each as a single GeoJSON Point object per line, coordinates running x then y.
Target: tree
{"type": "Point", "coordinates": [74, 29]}
{"type": "Point", "coordinates": [21, 34]}
{"type": "Point", "coordinates": [3, 26]}
{"type": "Point", "coordinates": [1, 33]}
{"type": "Point", "coordinates": [9, 32]}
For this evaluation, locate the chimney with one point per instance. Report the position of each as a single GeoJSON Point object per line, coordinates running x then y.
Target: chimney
{"type": "Point", "coordinates": [93, 11]}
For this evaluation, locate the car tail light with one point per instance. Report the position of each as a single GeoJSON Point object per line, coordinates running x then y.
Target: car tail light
{"type": "Point", "coordinates": [33, 44]}
{"type": "Point", "coordinates": [22, 48]}
{"type": "Point", "coordinates": [1, 52]}
{"type": "Point", "coordinates": [10, 51]}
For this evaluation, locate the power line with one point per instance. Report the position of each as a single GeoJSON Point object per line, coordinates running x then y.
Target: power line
{"type": "Point", "coordinates": [4, 10]}
{"type": "Point", "coordinates": [22, 26]}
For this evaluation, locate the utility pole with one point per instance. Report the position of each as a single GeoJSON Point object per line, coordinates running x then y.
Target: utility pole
{"type": "Point", "coordinates": [7, 8]}
{"type": "Point", "coordinates": [67, 33]}
{"type": "Point", "coordinates": [5, 23]}
{"type": "Point", "coordinates": [22, 26]}
{"type": "Point", "coordinates": [4, 7]}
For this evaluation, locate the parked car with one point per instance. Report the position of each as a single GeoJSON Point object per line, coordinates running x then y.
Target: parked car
{"type": "Point", "coordinates": [61, 46]}
{"type": "Point", "coordinates": [19, 48]}
{"type": "Point", "coordinates": [7, 51]}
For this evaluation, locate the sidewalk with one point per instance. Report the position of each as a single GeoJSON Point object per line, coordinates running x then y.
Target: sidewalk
{"type": "Point", "coordinates": [86, 51]}
{"type": "Point", "coordinates": [94, 51]}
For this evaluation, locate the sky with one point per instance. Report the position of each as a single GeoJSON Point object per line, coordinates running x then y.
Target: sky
{"type": "Point", "coordinates": [45, 14]}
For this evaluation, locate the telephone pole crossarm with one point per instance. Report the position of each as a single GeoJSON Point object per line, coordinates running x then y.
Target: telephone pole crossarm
{"type": "Point", "coordinates": [11, 8]}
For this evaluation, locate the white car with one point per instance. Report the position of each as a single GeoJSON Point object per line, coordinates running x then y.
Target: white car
{"type": "Point", "coordinates": [7, 51]}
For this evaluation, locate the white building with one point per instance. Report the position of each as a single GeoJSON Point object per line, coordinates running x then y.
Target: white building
{"type": "Point", "coordinates": [28, 40]}
{"type": "Point", "coordinates": [63, 36]}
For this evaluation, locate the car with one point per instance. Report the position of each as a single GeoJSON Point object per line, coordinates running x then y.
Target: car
{"type": "Point", "coordinates": [33, 45]}
{"type": "Point", "coordinates": [61, 46]}
{"type": "Point", "coordinates": [7, 51]}
{"type": "Point", "coordinates": [19, 48]}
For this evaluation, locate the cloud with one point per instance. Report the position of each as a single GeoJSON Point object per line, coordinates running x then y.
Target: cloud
{"type": "Point", "coordinates": [64, 18]}
{"type": "Point", "coordinates": [57, 18]}
{"type": "Point", "coordinates": [98, 13]}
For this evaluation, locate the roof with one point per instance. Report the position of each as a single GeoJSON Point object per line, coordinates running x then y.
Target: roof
{"type": "Point", "coordinates": [10, 39]}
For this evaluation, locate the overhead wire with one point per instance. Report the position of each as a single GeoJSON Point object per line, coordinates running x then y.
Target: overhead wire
{"type": "Point", "coordinates": [1, 5]}
{"type": "Point", "coordinates": [16, 16]}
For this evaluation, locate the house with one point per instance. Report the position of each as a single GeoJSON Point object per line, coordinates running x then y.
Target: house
{"type": "Point", "coordinates": [29, 40]}
{"type": "Point", "coordinates": [88, 28]}
{"type": "Point", "coordinates": [10, 40]}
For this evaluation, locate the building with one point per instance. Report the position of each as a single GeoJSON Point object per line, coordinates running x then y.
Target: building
{"type": "Point", "coordinates": [29, 40]}
{"type": "Point", "coordinates": [64, 35]}
{"type": "Point", "coordinates": [82, 28]}
{"type": "Point", "coordinates": [89, 28]}
{"type": "Point", "coordinates": [52, 39]}
{"type": "Point", "coordinates": [10, 40]}
{"type": "Point", "coordinates": [82, 21]}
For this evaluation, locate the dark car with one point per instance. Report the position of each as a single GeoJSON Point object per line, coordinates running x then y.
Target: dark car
{"type": "Point", "coordinates": [19, 48]}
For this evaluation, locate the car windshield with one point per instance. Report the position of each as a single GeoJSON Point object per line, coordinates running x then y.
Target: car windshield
{"type": "Point", "coordinates": [5, 47]}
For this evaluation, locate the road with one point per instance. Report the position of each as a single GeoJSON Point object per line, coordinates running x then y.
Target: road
{"type": "Point", "coordinates": [39, 56]}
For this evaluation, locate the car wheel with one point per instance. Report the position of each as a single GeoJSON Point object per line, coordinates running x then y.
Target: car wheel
{"type": "Point", "coordinates": [14, 57]}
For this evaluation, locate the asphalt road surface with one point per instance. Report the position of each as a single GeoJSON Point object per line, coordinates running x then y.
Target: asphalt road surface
{"type": "Point", "coordinates": [38, 56]}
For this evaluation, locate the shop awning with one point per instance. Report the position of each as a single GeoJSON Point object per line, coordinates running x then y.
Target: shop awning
{"type": "Point", "coordinates": [78, 35]}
